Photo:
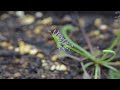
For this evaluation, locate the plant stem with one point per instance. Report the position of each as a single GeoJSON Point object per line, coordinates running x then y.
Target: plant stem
{"type": "Point", "coordinates": [70, 28]}
{"type": "Point", "coordinates": [109, 66]}
{"type": "Point", "coordinates": [76, 58]}
{"type": "Point", "coordinates": [87, 40]}
{"type": "Point", "coordinates": [79, 49]}
{"type": "Point", "coordinates": [97, 71]}
{"type": "Point", "coordinates": [112, 52]}
{"type": "Point", "coordinates": [86, 75]}
{"type": "Point", "coordinates": [112, 46]}
{"type": "Point", "coordinates": [114, 63]}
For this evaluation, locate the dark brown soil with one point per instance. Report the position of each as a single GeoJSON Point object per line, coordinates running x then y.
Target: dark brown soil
{"type": "Point", "coordinates": [27, 50]}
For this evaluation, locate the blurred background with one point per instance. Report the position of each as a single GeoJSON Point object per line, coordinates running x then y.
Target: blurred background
{"type": "Point", "coordinates": [27, 49]}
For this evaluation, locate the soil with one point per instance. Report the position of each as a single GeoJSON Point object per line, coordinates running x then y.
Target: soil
{"type": "Point", "coordinates": [27, 50]}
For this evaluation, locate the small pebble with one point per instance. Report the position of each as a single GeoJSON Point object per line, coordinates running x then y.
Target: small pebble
{"type": "Point", "coordinates": [17, 49]}
{"type": "Point", "coordinates": [116, 31]}
{"type": "Point", "coordinates": [98, 22]}
{"type": "Point", "coordinates": [63, 68]}
{"type": "Point", "coordinates": [22, 47]}
{"type": "Point", "coordinates": [66, 72]}
{"type": "Point", "coordinates": [58, 67]}
{"type": "Point", "coordinates": [33, 51]}
{"type": "Point", "coordinates": [81, 23]}
{"type": "Point", "coordinates": [4, 44]}
{"type": "Point", "coordinates": [38, 14]}
{"type": "Point", "coordinates": [101, 37]}
{"type": "Point", "coordinates": [43, 61]}
{"type": "Point", "coordinates": [53, 67]}
{"type": "Point", "coordinates": [38, 29]}
{"type": "Point", "coordinates": [26, 20]}
{"type": "Point", "coordinates": [43, 76]}
{"type": "Point", "coordinates": [94, 33]}
{"type": "Point", "coordinates": [54, 58]}
{"type": "Point", "coordinates": [40, 55]}
{"type": "Point", "coordinates": [103, 28]}
{"type": "Point", "coordinates": [47, 21]}
{"type": "Point", "coordinates": [47, 67]}
{"type": "Point", "coordinates": [67, 18]}
{"type": "Point", "coordinates": [44, 64]}
{"type": "Point", "coordinates": [116, 24]}
{"type": "Point", "coordinates": [27, 48]}
{"type": "Point", "coordinates": [17, 74]}
{"type": "Point", "coordinates": [20, 13]}
{"type": "Point", "coordinates": [10, 47]}
{"type": "Point", "coordinates": [25, 64]}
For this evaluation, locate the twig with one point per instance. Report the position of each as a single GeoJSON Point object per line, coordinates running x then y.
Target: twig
{"type": "Point", "coordinates": [86, 75]}
{"type": "Point", "coordinates": [117, 63]}
{"type": "Point", "coordinates": [87, 40]}
{"type": "Point", "coordinates": [82, 25]}
{"type": "Point", "coordinates": [76, 58]}
{"type": "Point", "coordinates": [61, 53]}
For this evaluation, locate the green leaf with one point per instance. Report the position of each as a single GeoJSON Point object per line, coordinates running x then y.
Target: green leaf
{"type": "Point", "coordinates": [88, 64]}
{"type": "Point", "coordinates": [114, 74]}
{"type": "Point", "coordinates": [97, 71]}
{"type": "Point", "coordinates": [56, 39]}
{"type": "Point", "coordinates": [110, 67]}
{"type": "Point", "coordinates": [112, 46]}
{"type": "Point", "coordinates": [81, 50]}
{"type": "Point", "coordinates": [108, 52]}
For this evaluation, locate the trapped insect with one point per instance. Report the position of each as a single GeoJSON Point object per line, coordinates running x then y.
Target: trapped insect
{"type": "Point", "coordinates": [60, 41]}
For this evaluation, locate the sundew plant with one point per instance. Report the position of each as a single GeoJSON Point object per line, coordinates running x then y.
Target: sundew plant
{"type": "Point", "coordinates": [60, 41]}
{"type": "Point", "coordinates": [97, 62]}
